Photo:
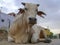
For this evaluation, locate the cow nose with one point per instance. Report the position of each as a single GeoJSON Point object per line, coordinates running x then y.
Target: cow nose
{"type": "Point", "coordinates": [32, 19]}
{"type": "Point", "coordinates": [35, 19]}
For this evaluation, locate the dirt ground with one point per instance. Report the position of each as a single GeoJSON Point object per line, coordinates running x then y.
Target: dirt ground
{"type": "Point", "coordinates": [54, 42]}
{"type": "Point", "coordinates": [3, 40]}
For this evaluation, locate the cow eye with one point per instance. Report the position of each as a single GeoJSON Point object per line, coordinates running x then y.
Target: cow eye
{"type": "Point", "coordinates": [26, 9]}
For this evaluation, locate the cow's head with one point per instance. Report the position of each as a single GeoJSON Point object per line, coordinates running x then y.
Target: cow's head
{"type": "Point", "coordinates": [31, 10]}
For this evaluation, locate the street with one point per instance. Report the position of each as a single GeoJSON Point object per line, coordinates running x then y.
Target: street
{"type": "Point", "coordinates": [54, 42]}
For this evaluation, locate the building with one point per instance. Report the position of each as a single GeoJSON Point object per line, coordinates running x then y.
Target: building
{"type": "Point", "coordinates": [5, 20]}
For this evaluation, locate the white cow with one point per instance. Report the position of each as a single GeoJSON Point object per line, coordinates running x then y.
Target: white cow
{"type": "Point", "coordinates": [36, 35]}
{"type": "Point", "coordinates": [20, 31]}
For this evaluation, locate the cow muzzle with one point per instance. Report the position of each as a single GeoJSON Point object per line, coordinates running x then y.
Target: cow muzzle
{"type": "Point", "coordinates": [32, 20]}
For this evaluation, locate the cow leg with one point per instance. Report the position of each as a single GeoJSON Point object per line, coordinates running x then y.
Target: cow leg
{"type": "Point", "coordinates": [22, 39]}
{"type": "Point", "coordinates": [10, 39]}
{"type": "Point", "coordinates": [35, 37]}
{"type": "Point", "coordinates": [18, 41]}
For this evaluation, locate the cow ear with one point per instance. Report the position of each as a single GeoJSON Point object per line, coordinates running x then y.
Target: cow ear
{"type": "Point", "coordinates": [40, 13]}
{"type": "Point", "coordinates": [21, 10]}
{"type": "Point", "coordinates": [23, 3]}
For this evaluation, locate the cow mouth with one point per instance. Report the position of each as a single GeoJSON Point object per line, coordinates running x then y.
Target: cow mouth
{"type": "Point", "coordinates": [32, 22]}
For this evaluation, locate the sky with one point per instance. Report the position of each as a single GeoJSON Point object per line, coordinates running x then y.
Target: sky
{"type": "Point", "coordinates": [50, 7]}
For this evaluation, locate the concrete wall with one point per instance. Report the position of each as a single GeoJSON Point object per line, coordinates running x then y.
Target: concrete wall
{"type": "Point", "coordinates": [7, 20]}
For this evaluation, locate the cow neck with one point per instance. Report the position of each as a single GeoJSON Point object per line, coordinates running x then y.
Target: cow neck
{"type": "Point", "coordinates": [25, 25]}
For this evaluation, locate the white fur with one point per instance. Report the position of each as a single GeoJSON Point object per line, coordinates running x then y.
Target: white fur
{"type": "Point", "coordinates": [35, 35]}
{"type": "Point", "coordinates": [10, 39]}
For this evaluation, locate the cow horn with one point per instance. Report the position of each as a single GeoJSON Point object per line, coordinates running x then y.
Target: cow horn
{"type": "Point", "coordinates": [37, 4]}
{"type": "Point", "coordinates": [23, 3]}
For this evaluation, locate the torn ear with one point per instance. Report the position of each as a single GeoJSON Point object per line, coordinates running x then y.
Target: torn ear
{"type": "Point", "coordinates": [40, 13]}
{"type": "Point", "coordinates": [21, 10]}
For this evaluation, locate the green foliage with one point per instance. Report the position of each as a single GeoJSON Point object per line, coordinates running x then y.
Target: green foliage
{"type": "Point", "coordinates": [51, 35]}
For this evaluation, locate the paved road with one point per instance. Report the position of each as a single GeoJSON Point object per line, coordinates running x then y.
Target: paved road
{"type": "Point", "coordinates": [54, 42]}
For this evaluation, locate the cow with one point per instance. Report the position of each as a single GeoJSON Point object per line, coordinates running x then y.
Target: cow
{"type": "Point", "coordinates": [39, 34]}
{"type": "Point", "coordinates": [20, 30]}
{"type": "Point", "coordinates": [36, 35]}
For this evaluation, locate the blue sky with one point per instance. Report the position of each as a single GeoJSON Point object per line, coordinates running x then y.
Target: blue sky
{"type": "Point", "coordinates": [50, 7]}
